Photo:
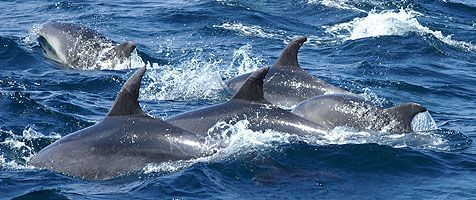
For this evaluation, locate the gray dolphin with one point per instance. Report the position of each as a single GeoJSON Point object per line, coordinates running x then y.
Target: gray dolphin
{"type": "Point", "coordinates": [80, 47]}
{"type": "Point", "coordinates": [248, 103]}
{"type": "Point", "coordinates": [125, 141]}
{"type": "Point", "coordinates": [286, 83]}
{"type": "Point", "coordinates": [349, 110]}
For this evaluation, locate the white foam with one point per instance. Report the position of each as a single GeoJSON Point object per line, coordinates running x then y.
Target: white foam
{"type": "Point", "coordinates": [386, 23]}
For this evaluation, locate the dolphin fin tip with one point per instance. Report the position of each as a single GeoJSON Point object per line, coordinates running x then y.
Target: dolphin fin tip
{"type": "Point", "coordinates": [252, 89]}
{"type": "Point", "coordinates": [288, 58]}
{"type": "Point", "coordinates": [126, 102]}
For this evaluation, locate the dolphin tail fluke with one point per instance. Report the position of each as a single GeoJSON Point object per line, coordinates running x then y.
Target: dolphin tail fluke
{"type": "Point", "coordinates": [288, 58]}
{"type": "Point", "coordinates": [406, 112]}
{"type": "Point", "coordinates": [252, 89]}
{"type": "Point", "coordinates": [127, 100]}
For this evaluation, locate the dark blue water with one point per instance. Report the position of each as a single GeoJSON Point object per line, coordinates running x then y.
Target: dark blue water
{"type": "Point", "coordinates": [389, 51]}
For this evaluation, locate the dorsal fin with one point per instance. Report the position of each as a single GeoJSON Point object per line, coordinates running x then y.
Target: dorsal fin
{"type": "Point", "coordinates": [127, 100]}
{"type": "Point", "coordinates": [252, 89]}
{"type": "Point", "coordinates": [405, 113]}
{"type": "Point", "coordinates": [288, 58]}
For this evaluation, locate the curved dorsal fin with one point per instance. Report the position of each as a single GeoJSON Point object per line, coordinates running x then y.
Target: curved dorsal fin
{"type": "Point", "coordinates": [288, 58]}
{"type": "Point", "coordinates": [127, 100]}
{"type": "Point", "coordinates": [252, 89]}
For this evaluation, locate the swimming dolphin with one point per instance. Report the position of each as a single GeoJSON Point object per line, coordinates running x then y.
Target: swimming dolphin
{"type": "Point", "coordinates": [286, 83]}
{"type": "Point", "coordinates": [80, 47]}
{"type": "Point", "coordinates": [125, 141]}
{"type": "Point", "coordinates": [349, 110]}
{"type": "Point", "coordinates": [247, 104]}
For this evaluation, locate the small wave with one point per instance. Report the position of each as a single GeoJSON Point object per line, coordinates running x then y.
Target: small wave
{"type": "Point", "coordinates": [250, 30]}
{"type": "Point", "coordinates": [198, 77]}
{"type": "Point", "coordinates": [387, 23]}
{"type": "Point", "coordinates": [339, 4]}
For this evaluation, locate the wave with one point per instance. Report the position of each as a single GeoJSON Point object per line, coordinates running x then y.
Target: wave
{"type": "Point", "coordinates": [386, 23]}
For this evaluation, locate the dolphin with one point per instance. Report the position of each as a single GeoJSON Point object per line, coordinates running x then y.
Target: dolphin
{"type": "Point", "coordinates": [335, 110]}
{"type": "Point", "coordinates": [126, 140]}
{"type": "Point", "coordinates": [286, 83]}
{"type": "Point", "coordinates": [247, 104]}
{"type": "Point", "coordinates": [80, 47]}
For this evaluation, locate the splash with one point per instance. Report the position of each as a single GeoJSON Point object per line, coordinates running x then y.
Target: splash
{"type": "Point", "coordinates": [232, 141]}
{"type": "Point", "coordinates": [199, 78]}
{"type": "Point", "coordinates": [22, 146]}
{"type": "Point", "coordinates": [193, 79]}
{"type": "Point", "coordinates": [390, 23]}
{"type": "Point", "coordinates": [243, 62]}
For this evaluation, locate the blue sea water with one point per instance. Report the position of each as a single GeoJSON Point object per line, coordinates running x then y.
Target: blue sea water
{"type": "Point", "coordinates": [388, 51]}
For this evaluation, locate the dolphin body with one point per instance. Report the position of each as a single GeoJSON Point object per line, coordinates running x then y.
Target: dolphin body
{"type": "Point", "coordinates": [125, 141]}
{"type": "Point", "coordinates": [247, 104]}
{"type": "Point", "coordinates": [335, 110]}
{"type": "Point", "coordinates": [286, 83]}
{"type": "Point", "coordinates": [80, 47]}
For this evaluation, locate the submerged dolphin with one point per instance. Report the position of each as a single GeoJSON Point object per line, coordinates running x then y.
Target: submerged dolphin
{"type": "Point", "coordinates": [247, 104]}
{"type": "Point", "coordinates": [80, 47]}
{"type": "Point", "coordinates": [348, 110]}
{"type": "Point", "coordinates": [286, 83]}
{"type": "Point", "coordinates": [125, 141]}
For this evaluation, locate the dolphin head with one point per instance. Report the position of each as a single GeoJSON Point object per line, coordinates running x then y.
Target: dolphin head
{"type": "Point", "coordinates": [124, 50]}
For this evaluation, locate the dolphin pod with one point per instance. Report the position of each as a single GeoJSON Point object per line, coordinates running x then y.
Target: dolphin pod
{"type": "Point", "coordinates": [286, 83]}
{"type": "Point", "coordinates": [335, 110]}
{"type": "Point", "coordinates": [125, 141]}
{"type": "Point", "coordinates": [80, 47]}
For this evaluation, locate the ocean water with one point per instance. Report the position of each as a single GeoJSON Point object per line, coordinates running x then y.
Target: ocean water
{"type": "Point", "coordinates": [390, 52]}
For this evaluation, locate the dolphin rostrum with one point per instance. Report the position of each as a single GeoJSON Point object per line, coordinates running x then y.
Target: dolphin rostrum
{"type": "Point", "coordinates": [335, 110]}
{"type": "Point", "coordinates": [80, 47]}
{"type": "Point", "coordinates": [286, 83]}
{"type": "Point", "coordinates": [125, 141]}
